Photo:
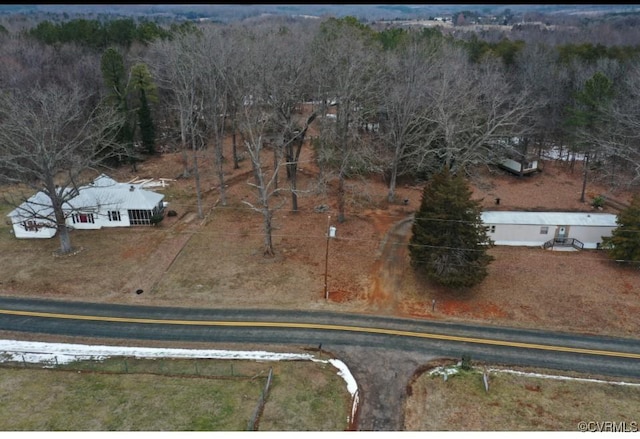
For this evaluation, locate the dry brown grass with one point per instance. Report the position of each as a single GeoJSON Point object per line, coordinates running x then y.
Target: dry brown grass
{"type": "Point", "coordinates": [218, 261]}
{"type": "Point", "coordinates": [516, 403]}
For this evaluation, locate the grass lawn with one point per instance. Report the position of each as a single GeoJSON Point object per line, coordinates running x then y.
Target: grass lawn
{"type": "Point", "coordinates": [171, 395]}
{"type": "Point", "coordinates": [516, 403]}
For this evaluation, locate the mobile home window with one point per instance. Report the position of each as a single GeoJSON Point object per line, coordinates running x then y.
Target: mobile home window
{"type": "Point", "coordinates": [544, 230]}
{"type": "Point", "coordinates": [114, 215]}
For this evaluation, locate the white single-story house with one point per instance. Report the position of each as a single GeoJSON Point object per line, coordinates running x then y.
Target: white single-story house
{"type": "Point", "coordinates": [102, 203]}
{"type": "Point", "coordinates": [549, 229]}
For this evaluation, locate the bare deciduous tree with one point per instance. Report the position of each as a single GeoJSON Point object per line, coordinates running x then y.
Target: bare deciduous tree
{"type": "Point", "coordinates": [215, 59]}
{"type": "Point", "coordinates": [347, 69]}
{"type": "Point", "coordinates": [254, 119]}
{"type": "Point", "coordinates": [48, 138]}
{"type": "Point", "coordinates": [404, 129]}
{"type": "Point", "coordinates": [175, 64]}
{"type": "Point", "coordinates": [474, 110]}
{"type": "Point", "coordinates": [286, 74]}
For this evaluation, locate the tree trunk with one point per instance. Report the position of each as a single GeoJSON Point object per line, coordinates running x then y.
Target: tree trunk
{"type": "Point", "coordinates": [266, 223]}
{"type": "Point", "coordinates": [292, 160]}
{"type": "Point", "coordinates": [63, 232]}
{"type": "Point", "coordinates": [523, 157]}
{"type": "Point", "coordinates": [584, 180]}
{"type": "Point", "coordinates": [197, 178]}
{"type": "Point", "coordinates": [219, 165]}
{"type": "Point", "coordinates": [185, 156]}
{"type": "Point", "coordinates": [294, 195]}
{"type": "Point", "coordinates": [344, 126]}
{"type": "Point", "coordinates": [341, 216]}
{"type": "Point", "coordinates": [393, 177]}
{"type": "Point", "coordinates": [275, 166]}
{"type": "Point", "coordinates": [236, 160]}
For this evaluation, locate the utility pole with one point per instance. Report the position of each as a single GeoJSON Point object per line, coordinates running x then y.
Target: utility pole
{"type": "Point", "coordinates": [331, 233]}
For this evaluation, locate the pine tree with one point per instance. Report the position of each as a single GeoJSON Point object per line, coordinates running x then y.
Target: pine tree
{"type": "Point", "coordinates": [145, 121]}
{"type": "Point", "coordinates": [449, 241]}
{"type": "Point", "coordinates": [144, 91]}
{"type": "Point", "coordinates": [624, 242]}
{"type": "Point", "coordinates": [113, 74]}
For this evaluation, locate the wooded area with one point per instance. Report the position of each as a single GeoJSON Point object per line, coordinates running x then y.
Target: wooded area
{"type": "Point", "coordinates": [385, 101]}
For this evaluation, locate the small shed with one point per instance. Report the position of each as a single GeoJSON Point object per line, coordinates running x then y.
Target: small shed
{"type": "Point", "coordinates": [516, 167]}
{"type": "Point", "coordinates": [535, 229]}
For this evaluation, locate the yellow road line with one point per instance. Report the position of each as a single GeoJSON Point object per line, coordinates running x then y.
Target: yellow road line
{"type": "Point", "coordinates": [321, 326]}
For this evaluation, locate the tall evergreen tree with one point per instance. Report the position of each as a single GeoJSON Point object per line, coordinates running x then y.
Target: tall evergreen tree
{"type": "Point", "coordinates": [586, 117]}
{"type": "Point", "coordinates": [624, 243]}
{"type": "Point", "coordinates": [114, 76]}
{"type": "Point", "coordinates": [145, 121]}
{"type": "Point", "coordinates": [449, 241]}
{"type": "Point", "coordinates": [144, 92]}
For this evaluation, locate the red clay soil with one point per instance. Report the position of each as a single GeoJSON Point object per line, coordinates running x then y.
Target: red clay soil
{"type": "Point", "coordinates": [368, 267]}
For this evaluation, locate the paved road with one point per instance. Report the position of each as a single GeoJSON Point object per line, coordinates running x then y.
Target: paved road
{"type": "Point", "coordinates": [391, 340]}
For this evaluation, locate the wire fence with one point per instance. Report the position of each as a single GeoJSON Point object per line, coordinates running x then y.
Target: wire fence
{"type": "Point", "coordinates": [170, 367]}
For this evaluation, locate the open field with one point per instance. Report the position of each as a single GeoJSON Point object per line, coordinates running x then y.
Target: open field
{"type": "Point", "coordinates": [517, 403]}
{"type": "Point", "coordinates": [128, 394]}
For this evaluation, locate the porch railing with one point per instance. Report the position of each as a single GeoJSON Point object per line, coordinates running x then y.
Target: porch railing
{"type": "Point", "coordinates": [564, 242]}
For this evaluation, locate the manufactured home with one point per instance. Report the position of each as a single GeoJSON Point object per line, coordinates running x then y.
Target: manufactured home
{"type": "Point", "coordinates": [549, 229]}
{"type": "Point", "coordinates": [517, 167]}
{"type": "Point", "coordinates": [102, 203]}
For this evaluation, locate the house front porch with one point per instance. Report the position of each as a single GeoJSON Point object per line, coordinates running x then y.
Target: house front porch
{"type": "Point", "coordinates": [563, 244]}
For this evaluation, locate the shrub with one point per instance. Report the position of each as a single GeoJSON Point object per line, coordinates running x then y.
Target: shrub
{"type": "Point", "coordinates": [156, 219]}
{"type": "Point", "coordinates": [598, 201]}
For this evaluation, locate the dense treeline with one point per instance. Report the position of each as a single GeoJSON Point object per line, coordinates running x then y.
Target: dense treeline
{"type": "Point", "coordinates": [100, 35]}
{"type": "Point", "coordinates": [391, 102]}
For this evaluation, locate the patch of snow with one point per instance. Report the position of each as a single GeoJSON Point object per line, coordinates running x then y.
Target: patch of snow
{"type": "Point", "coordinates": [452, 370]}
{"type": "Point", "coordinates": [554, 153]}
{"type": "Point", "coordinates": [445, 371]}
{"type": "Point", "coordinates": [51, 354]}
{"type": "Point", "coordinates": [352, 385]}
{"type": "Point", "coordinates": [343, 371]}
{"type": "Point", "coordinates": [560, 377]}
{"type": "Point", "coordinates": [39, 351]}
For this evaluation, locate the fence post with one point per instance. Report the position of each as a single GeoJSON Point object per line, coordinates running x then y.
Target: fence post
{"type": "Point", "coordinates": [253, 422]}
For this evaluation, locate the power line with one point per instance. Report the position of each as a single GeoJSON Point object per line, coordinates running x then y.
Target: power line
{"type": "Point", "coordinates": [322, 237]}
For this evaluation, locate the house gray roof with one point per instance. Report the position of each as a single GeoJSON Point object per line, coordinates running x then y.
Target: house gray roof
{"type": "Point", "coordinates": [38, 205]}
{"type": "Point", "coordinates": [550, 218]}
{"type": "Point", "coordinates": [103, 194]}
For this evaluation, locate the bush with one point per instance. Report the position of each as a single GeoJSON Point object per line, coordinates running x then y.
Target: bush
{"type": "Point", "coordinates": [156, 219]}
{"type": "Point", "coordinates": [598, 201]}
{"type": "Point", "coordinates": [465, 364]}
